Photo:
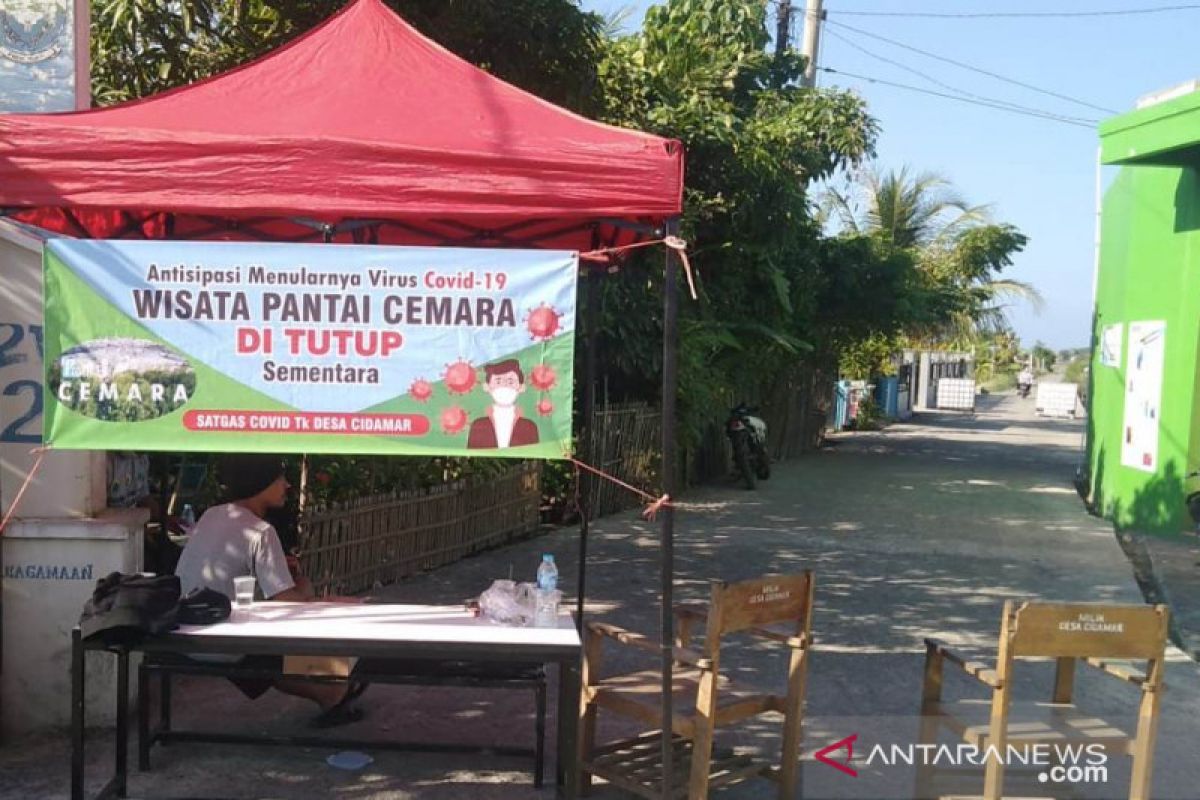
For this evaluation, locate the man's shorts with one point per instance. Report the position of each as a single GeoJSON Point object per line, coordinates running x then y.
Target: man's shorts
{"type": "Point", "coordinates": [253, 688]}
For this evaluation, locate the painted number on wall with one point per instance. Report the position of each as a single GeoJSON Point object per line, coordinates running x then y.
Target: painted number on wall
{"type": "Point", "coordinates": [17, 343]}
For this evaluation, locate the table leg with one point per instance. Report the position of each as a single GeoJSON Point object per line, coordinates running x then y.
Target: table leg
{"type": "Point", "coordinates": [122, 721]}
{"type": "Point", "coordinates": [539, 764]}
{"type": "Point", "coordinates": [77, 714]}
{"type": "Point", "coordinates": [143, 714]}
{"type": "Point", "coordinates": [568, 729]}
{"type": "Point", "coordinates": [164, 702]}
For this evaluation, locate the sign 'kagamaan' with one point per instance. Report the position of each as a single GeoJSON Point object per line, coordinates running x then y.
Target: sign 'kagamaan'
{"type": "Point", "coordinates": [223, 346]}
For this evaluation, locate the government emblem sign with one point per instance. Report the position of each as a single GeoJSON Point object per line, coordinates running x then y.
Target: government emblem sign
{"type": "Point", "coordinates": [32, 31]}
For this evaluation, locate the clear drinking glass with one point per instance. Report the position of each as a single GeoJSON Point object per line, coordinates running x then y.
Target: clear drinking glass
{"type": "Point", "coordinates": [243, 590]}
{"type": "Point", "coordinates": [545, 613]}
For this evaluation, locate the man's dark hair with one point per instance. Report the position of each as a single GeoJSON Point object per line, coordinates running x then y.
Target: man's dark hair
{"type": "Point", "coordinates": [246, 474]}
{"type": "Point", "coordinates": [284, 520]}
{"type": "Point", "coordinates": [503, 368]}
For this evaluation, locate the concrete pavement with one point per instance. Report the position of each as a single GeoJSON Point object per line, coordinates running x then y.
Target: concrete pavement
{"type": "Point", "coordinates": [921, 530]}
{"type": "Point", "coordinates": [1171, 569]}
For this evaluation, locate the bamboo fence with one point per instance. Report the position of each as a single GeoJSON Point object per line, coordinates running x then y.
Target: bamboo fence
{"type": "Point", "coordinates": [622, 439]}
{"type": "Point", "coordinates": [371, 541]}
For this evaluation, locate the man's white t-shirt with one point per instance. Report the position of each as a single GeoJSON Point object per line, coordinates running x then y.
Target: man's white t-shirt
{"type": "Point", "coordinates": [229, 542]}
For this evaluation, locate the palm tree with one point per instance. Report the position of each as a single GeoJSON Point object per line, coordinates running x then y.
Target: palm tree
{"type": "Point", "coordinates": [957, 244]}
{"type": "Point", "coordinates": [615, 23]}
{"type": "Point", "coordinates": [908, 210]}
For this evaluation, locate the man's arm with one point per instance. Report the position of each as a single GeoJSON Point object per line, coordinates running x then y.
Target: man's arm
{"type": "Point", "coordinates": [302, 592]}
{"type": "Point", "coordinates": [276, 578]}
{"type": "Point", "coordinates": [271, 570]}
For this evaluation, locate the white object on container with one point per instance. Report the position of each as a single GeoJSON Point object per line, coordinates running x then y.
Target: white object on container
{"type": "Point", "coordinates": [956, 394]}
{"type": "Point", "coordinates": [1057, 399]}
{"type": "Point", "coordinates": [187, 518]}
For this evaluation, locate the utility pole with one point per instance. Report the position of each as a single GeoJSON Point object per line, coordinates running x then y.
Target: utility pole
{"type": "Point", "coordinates": [813, 17]}
{"type": "Point", "coordinates": [783, 26]}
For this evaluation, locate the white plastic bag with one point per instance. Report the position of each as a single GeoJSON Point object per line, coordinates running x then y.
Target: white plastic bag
{"type": "Point", "coordinates": [500, 605]}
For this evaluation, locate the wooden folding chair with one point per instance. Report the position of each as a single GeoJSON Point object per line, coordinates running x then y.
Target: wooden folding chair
{"type": "Point", "coordinates": [1068, 633]}
{"type": "Point", "coordinates": [704, 699]}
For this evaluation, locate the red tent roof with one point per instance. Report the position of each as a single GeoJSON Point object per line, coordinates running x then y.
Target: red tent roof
{"type": "Point", "coordinates": [360, 119]}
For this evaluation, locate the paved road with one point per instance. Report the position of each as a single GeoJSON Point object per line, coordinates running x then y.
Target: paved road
{"type": "Point", "coordinates": [923, 529]}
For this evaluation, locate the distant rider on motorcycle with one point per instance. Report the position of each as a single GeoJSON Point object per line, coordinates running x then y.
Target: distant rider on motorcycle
{"type": "Point", "coordinates": [1025, 381]}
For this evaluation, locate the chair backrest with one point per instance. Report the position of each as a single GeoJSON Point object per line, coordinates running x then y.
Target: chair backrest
{"type": "Point", "coordinates": [1085, 630]}
{"type": "Point", "coordinates": [766, 600]}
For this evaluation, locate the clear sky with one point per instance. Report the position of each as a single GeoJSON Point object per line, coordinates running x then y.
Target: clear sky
{"type": "Point", "coordinates": [1038, 174]}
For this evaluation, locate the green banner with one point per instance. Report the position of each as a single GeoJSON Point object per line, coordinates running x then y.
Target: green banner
{"type": "Point", "coordinates": [218, 346]}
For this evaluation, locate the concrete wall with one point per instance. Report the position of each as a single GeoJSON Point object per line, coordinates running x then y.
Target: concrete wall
{"type": "Point", "coordinates": [932, 366]}
{"type": "Point", "coordinates": [62, 539]}
{"type": "Point", "coordinates": [51, 567]}
{"type": "Point", "coordinates": [69, 484]}
{"type": "Point", "coordinates": [1149, 270]}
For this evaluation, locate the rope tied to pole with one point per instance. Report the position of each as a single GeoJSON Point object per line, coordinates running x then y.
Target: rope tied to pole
{"type": "Point", "coordinates": [37, 464]}
{"type": "Point", "coordinates": [671, 242]}
{"type": "Point", "coordinates": [654, 504]}
{"type": "Point", "coordinates": [680, 247]}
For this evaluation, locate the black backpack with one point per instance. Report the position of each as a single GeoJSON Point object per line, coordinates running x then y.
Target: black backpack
{"type": "Point", "coordinates": [124, 608]}
{"type": "Point", "coordinates": [203, 606]}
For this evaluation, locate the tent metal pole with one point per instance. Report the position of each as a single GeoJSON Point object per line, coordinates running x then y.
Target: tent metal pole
{"type": "Point", "coordinates": [592, 294]}
{"type": "Point", "coordinates": [669, 465]}
{"type": "Point", "coordinates": [583, 547]}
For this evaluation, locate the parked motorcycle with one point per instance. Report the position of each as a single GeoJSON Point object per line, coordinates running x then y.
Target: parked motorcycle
{"type": "Point", "coordinates": [748, 436]}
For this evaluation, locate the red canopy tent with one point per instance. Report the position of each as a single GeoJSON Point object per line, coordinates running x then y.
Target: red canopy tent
{"type": "Point", "coordinates": [362, 130]}
{"type": "Point", "coordinates": [362, 127]}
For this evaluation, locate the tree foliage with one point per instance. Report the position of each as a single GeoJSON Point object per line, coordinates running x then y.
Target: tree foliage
{"type": "Point", "coordinates": [959, 251]}
{"type": "Point", "coordinates": [1044, 357]}
{"type": "Point", "coordinates": [907, 211]}
{"type": "Point", "coordinates": [140, 47]}
{"type": "Point", "coordinates": [775, 291]}
{"type": "Point", "coordinates": [699, 71]}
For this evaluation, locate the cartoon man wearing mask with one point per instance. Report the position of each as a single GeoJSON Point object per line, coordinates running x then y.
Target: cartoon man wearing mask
{"type": "Point", "coordinates": [503, 426]}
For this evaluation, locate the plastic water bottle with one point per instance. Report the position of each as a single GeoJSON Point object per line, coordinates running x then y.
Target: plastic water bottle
{"type": "Point", "coordinates": [545, 608]}
{"type": "Point", "coordinates": [187, 519]}
{"type": "Point", "coordinates": [547, 573]}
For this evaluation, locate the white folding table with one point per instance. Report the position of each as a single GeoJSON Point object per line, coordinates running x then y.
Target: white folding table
{"type": "Point", "coordinates": [413, 632]}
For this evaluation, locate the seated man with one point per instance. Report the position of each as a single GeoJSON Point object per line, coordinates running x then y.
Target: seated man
{"type": "Point", "coordinates": [234, 539]}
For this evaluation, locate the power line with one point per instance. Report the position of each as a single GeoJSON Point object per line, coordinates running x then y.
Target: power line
{"type": "Point", "coordinates": [961, 65]}
{"type": "Point", "coordinates": [955, 89]}
{"type": "Point", "coordinates": [1023, 14]}
{"type": "Point", "coordinates": [986, 103]}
